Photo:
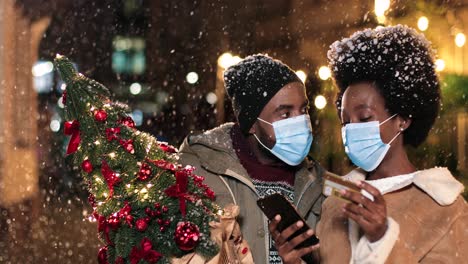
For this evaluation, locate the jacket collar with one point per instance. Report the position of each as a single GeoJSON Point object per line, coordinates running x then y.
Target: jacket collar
{"type": "Point", "coordinates": [437, 182]}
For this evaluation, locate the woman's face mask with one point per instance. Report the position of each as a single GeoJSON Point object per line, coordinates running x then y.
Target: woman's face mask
{"type": "Point", "coordinates": [363, 143]}
{"type": "Point", "coordinates": [293, 139]}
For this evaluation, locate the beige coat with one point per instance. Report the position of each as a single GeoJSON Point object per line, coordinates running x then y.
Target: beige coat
{"type": "Point", "coordinates": [213, 156]}
{"type": "Point", "coordinates": [428, 223]}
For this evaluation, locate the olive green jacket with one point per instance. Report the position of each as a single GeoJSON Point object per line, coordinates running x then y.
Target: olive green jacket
{"type": "Point", "coordinates": [213, 156]}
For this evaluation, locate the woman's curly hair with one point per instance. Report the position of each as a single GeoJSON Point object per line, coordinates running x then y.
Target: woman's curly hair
{"type": "Point", "coordinates": [400, 62]}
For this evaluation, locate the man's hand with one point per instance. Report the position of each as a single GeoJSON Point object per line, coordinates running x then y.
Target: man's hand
{"type": "Point", "coordinates": [370, 215]}
{"type": "Point", "coordinates": [286, 248]}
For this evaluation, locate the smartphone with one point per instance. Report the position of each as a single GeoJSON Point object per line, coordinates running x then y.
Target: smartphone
{"type": "Point", "coordinates": [277, 204]}
{"type": "Point", "coordinates": [332, 185]}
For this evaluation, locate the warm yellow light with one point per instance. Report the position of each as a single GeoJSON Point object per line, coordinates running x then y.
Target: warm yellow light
{"type": "Point", "coordinates": [460, 39]}
{"type": "Point", "coordinates": [320, 102]}
{"type": "Point", "coordinates": [423, 23]}
{"type": "Point", "coordinates": [302, 75]}
{"type": "Point", "coordinates": [440, 65]}
{"type": "Point", "coordinates": [324, 73]}
{"type": "Point", "coordinates": [226, 60]}
{"type": "Point", "coordinates": [380, 6]}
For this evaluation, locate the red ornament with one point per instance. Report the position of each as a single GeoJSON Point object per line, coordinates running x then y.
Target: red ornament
{"type": "Point", "coordinates": [144, 252]}
{"type": "Point", "coordinates": [209, 193]}
{"type": "Point", "coordinates": [167, 148]}
{"type": "Point", "coordinates": [110, 177]}
{"type": "Point", "coordinates": [127, 145]}
{"type": "Point", "coordinates": [187, 235]}
{"type": "Point", "coordinates": [162, 228]}
{"type": "Point", "coordinates": [145, 172]}
{"type": "Point", "coordinates": [102, 255]}
{"type": "Point", "coordinates": [157, 205]}
{"type": "Point", "coordinates": [245, 250]}
{"type": "Point", "coordinates": [141, 224]}
{"type": "Point", "coordinates": [100, 115]}
{"type": "Point", "coordinates": [127, 121]}
{"type": "Point", "coordinates": [72, 129]}
{"type": "Point", "coordinates": [87, 166]}
{"type": "Point", "coordinates": [160, 221]}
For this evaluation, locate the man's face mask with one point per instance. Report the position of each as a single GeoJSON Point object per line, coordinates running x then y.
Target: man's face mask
{"type": "Point", "coordinates": [363, 143]}
{"type": "Point", "coordinates": [293, 139]}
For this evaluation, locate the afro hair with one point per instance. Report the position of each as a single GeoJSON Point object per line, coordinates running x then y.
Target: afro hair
{"type": "Point", "coordinates": [400, 62]}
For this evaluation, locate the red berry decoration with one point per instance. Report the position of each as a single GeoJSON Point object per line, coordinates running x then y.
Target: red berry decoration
{"type": "Point", "coordinates": [100, 115]}
{"type": "Point", "coordinates": [187, 235]}
{"type": "Point", "coordinates": [102, 256]}
{"type": "Point", "coordinates": [141, 224]}
{"type": "Point", "coordinates": [87, 166]}
{"type": "Point", "coordinates": [145, 172]}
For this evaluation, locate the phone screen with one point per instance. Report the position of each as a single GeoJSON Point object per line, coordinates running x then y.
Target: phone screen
{"type": "Point", "coordinates": [275, 204]}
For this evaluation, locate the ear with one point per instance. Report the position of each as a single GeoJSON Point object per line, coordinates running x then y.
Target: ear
{"type": "Point", "coordinates": [253, 128]}
{"type": "Point", "coordinates": [404, 122]}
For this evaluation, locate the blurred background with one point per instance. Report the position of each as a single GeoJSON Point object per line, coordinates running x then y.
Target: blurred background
{"type": "Point", "coordinates": [165, 59]}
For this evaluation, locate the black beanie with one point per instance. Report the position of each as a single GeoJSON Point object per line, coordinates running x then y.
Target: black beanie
{"type": "Point", "coordinates": [252, 83]}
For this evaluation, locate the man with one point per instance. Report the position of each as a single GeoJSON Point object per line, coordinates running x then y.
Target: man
{"type": "Point", "coordinates": [263, 152]}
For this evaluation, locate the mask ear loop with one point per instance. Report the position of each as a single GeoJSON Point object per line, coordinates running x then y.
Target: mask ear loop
{"type": "Point", "coordinates": [399, 133]}
{"type": "Point", "coordinates": [264, 121]}
{"type": "Point", "coordinates": [388, 119]}
{"type": "Point", "coordinates": [261, 142]}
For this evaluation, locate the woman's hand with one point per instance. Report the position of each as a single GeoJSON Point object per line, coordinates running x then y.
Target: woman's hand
{"type": "Point", "coordinates": [286, 248]}
{"type": "Point", "coordinates": [370, 215]}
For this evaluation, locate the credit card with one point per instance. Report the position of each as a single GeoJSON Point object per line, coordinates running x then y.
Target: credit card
{"type": "Point", "coordinates": [333, 185]}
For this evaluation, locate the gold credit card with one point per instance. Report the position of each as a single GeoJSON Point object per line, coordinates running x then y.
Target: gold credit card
{"type": "Point", "coordinates": [333, 185]}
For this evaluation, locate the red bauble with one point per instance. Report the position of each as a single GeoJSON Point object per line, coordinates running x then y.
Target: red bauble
{"type": "Point", "coordinates": [128, 145]}
{"type": "Point", "coordinates": [87, 166]}
{"type": "Point", "coordinates": [102, 256]}
{"type": "Point", "coordinates": [141, 224]}
{"type": "Point", "coordinates": [187, 235]}
{"type": "Point", "coordinates": [100, 115]}
{"type": "Point", "coordinates": [145, 172]}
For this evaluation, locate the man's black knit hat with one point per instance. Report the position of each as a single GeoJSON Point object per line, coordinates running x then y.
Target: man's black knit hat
{"type": "Point", "coordinates": [252, 83]}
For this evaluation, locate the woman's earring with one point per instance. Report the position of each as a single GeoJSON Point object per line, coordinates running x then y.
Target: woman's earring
{"type": "Point", "coordinates": [401, 129]}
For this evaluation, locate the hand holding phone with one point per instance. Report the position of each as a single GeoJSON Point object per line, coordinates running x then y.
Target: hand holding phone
{"type": "Point", "coordinates": [276, 204]}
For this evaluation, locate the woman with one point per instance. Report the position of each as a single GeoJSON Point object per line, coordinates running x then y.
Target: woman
{"type": "Point", "coordinates": [388, 98]}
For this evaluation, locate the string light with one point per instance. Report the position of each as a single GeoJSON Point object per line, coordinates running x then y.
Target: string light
{"type": "Point", "coordinates": [302, 75]}
{"type": "Point", "coordinates": [439, 65]}
{"type": "Point", "coordinates": [320, 102]}
{"type": "Point", "coordinates": [460, 40]}
{"type": "Point", "coordinates": [324, 73]}
{"type": "Point", "coordinates": [423, 23]}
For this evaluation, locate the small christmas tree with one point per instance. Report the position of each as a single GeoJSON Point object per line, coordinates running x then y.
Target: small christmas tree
{"type": "Point", "coordinates": [148, 208]}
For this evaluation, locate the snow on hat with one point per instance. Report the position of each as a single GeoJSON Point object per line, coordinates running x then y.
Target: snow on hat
{"type": "Point", "coordinates": [252, 83]}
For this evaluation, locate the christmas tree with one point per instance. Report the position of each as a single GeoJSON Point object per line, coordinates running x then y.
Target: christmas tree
{"type": "Point", "coordinates": [148, 208]}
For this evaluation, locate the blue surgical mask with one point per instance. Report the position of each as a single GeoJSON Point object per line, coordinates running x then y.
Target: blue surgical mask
{"type": "Point", "coordinates": [363, 143]}
{"type": "Point", "coordinates": [293, 139]}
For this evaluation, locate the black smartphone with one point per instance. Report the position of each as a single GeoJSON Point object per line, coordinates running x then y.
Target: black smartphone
{"type": "Point", "coordinates": [277, 204]}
